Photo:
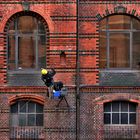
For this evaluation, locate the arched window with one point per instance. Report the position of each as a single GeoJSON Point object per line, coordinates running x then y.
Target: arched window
{"type": "Point", "coordinates": [26, 38]}
{"type": "Point", "coordinates": [119, 42]}
{"type": "Point", "coordinates": [26, 113]}
{"type": "Point", "coordinates": [120, 112]}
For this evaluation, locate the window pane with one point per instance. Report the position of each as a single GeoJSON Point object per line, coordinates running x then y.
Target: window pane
{"type": "Point", "coordinates": [26, 54]}
{"type": "Point", "coordinates": [30, 113]}
{"type": "Point", "coordinates": [26, 44]}
{"type": "Point", "coordinates": [132, 118]}
{"type": "Point", "coordinates": [107, 107]}
{"type": "Point", "coordinates": [115, 118]}
{"type": "Point", "coordinates": [11, 29]}
{"type": "Point", "coordinates": [14, 120]}
{"type": "Point", "coordinates": [132, 107]}
{"type": "Point", "coordinates": [107, 118]}
{"type": "Point", "coordinates": [22, 120]}
{"type": "Point", "coordinates": [42, 51]}
{"type": "Point", "coordinates": [39, 119]}
{"type": "Point", "coordinates": [41, 28]}
{"type": "Point", "coordinates": [22, 105]}
{"type": "Point", "coordinates": [31, 107]}
{"type": "Point", "coordinates": [39, 108]}
{"type": "Point", "coordinates": [14, 108]}
{"type": "Point", "coordinates": [30, 26]}
{"type": "Point", "coordinates": [11, 52]}
{"type": "Point", "coordinates": [121, 47]}
{"type": "Point", "coordinates": [31, 120]}
{"type": "Point", "coordinates": [124, 118]}
{"type": "Point", "coordinates": [124, 106]}
{"type": "Point", "coordinates": [119, 22]}
{"type": "Point", "coordinates": [103, 50]}
{"type": "Point", "coordinates": [136, 48]}
{"type": "Point", "coordinates": [115, 107]}
{"type": "Point", "coordinates": [136, 24]}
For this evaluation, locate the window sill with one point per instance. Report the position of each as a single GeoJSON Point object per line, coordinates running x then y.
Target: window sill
{"type": "Point", "coordinates": [118, 70]}
{"type": "Point", "coordinates": [24, 71]}
{"type": "Point", "coordinates": [123, 125]}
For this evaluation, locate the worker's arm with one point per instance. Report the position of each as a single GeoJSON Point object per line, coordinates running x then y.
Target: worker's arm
{"type": "Point", "coordinates": [52, 72]}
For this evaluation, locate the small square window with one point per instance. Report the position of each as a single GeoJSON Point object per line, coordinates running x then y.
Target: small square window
{"type": "Point", "coordinates": [120, 112]}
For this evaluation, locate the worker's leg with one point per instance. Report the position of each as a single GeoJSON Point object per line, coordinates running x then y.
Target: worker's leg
{"type": "Point", "coordinates": [50, 88]}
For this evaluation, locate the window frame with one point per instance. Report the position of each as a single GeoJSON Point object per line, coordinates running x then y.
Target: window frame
{"type": "Point", "coordinates": [120, 113]}
{"type": "Point", "coordinates": [107, 31]}
{"type": "Point", "coordinates": [26, 113]}
{"type": "Point", "coordinates": [17, 35]}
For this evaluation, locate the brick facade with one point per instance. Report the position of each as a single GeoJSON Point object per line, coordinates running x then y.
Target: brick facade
{"type": "Point", "coordinates": [60, 18]}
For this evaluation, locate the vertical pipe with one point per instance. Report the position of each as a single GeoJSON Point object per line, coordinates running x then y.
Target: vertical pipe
{"type": "Point", "coordinates": [77, 74]}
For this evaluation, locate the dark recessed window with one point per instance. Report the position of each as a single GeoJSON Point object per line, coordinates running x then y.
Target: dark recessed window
{"type": "Point", "coordinates": [119, 42]}
{"type": "Point", "coordinates": [26, 113]}
{"type": "Point", "coordinates": [120, 112]}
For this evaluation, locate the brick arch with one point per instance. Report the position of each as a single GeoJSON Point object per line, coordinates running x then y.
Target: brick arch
{"type": "Point", "coordinates": [117, 97]}
{"type": "Point", "coordinates": [9, 12]}
{"type": "Point", "coordinates": [28, 13]}
{"type": "Point", "coordinates": [35, 98]}
{"type": "Point", "coordinates": [117, 10]}
{"type": "Point", "coordinates": [39, 17]}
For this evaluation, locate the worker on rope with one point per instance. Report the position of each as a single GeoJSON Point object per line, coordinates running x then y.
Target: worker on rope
{"type": "Point", "coordinates": [47, 77]}
{"type": "Point", "coordinates": [56, 89]}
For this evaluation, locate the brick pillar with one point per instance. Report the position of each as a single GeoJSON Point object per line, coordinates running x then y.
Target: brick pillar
{"type": "Point", "coordinates": [99, 122]}
{"type": "Point", "coordinates": [2, 61]}
{"type": "Point", "coordinates": [4, 117]}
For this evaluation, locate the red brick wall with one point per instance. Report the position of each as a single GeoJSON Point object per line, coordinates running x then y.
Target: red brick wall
{"type": "Point", "coordinates": [61, 21]}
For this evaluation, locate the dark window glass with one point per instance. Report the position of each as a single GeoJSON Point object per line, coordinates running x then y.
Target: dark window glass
{"type": "Point", "coordinates": [14, 108]}
{"type": "Point", "coordinates": [107, 107]}
{"type": "Point", "coordinates": [132, 118]}
{"type": "Point", "coordinates": [115, 118]}
{"type": "Point", "coordinates": [124, 106]}
{"type": "Point", "coordinates": [22, 105]}
{"type": "Point", "coordinates": [39, 108]}
{"type": "Point", "coordinates": [107, 118]}
{"type": "Point", "coordinates": [14, 120]}
{"type": "Point", "coordinates": [120, 112]}
{"type": "Point", "coordinates": [29, 114]}
{"type": "Point", "coordinates": [31, 119]}
{"type": "Point", "coordinates": [132, 107]}
{"type": "Point", "coordinates": [22, 120]}
{"type": "Point", "coordinates": [115, 107]}
{"type": "Point", "coordinates": [39, 120]}
{"type": "Point", "coordinates": [31, 107]}
{"type": "Point", "coordinates": [124, 118]}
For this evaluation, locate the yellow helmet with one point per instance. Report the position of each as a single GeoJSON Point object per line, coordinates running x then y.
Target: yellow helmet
{"type": "Point", "coordinates": [44, 71]}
